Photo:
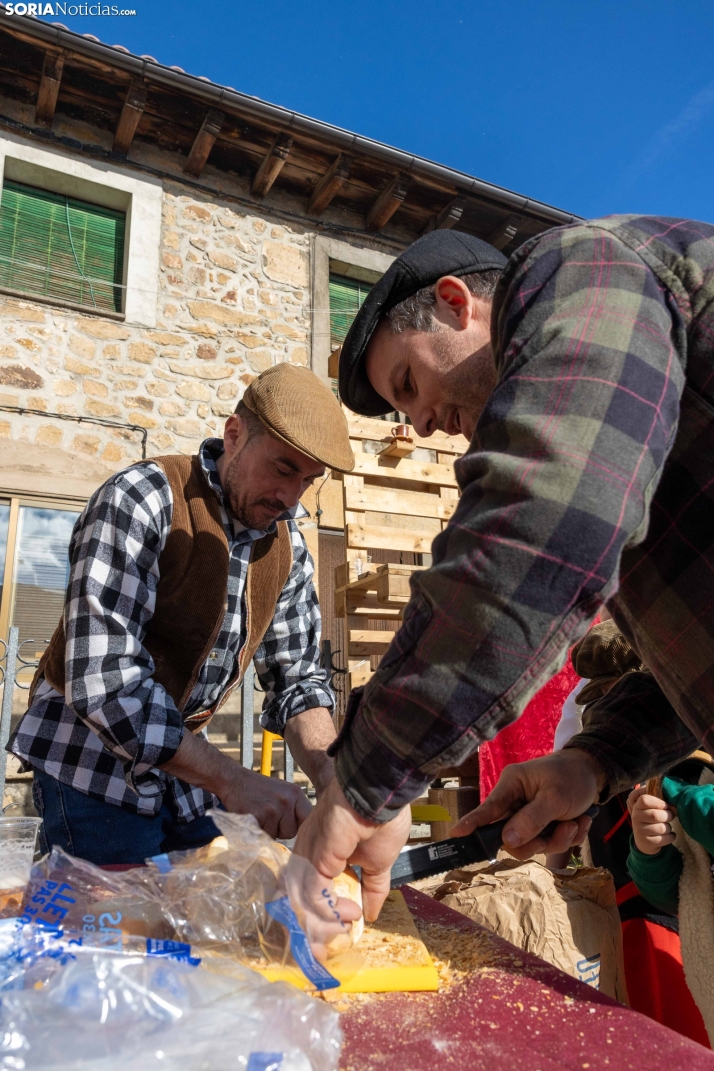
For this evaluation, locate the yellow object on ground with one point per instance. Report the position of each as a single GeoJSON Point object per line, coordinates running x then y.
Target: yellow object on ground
{"type": "Point", "coordinates": [390, 958]}
{"type": "Point", "coordinates": [430, 812]}
{"type": "Point", "coordinates": [266, 754]}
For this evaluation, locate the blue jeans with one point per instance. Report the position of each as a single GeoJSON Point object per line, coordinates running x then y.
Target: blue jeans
{"type": "Point", "coordinates": [103, 833]}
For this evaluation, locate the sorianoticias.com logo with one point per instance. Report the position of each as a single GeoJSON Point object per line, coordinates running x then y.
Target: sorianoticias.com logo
{"type": "Point", "coordinates": [61, 8]}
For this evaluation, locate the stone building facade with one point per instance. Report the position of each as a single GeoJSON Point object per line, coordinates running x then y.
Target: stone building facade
{"type": "Point", "coordinates": [237, 214]}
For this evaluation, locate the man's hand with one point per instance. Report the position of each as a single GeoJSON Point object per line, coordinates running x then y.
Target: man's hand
{"type": "Point", "coordinates": [279, 806]}
{"type": "Point", "coordinates": [335, 835]}
{"type": "Point", "coordinates": [560, 786]}
{"type": "Point", "coordinates": [651, 821]}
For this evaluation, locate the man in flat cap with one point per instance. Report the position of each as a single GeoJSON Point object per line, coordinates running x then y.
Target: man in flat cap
{"type": "Point", "coordinates": [586, 386]}
{"type": "Point", "coordinates": [182, 571]}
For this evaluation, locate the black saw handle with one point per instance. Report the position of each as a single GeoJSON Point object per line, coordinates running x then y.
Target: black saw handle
{"type": "Point", "coordinates": [491, 837]}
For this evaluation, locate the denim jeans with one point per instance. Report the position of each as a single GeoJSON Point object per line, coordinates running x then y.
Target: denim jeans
{"type": "Point", "coordinates": [103, 833]}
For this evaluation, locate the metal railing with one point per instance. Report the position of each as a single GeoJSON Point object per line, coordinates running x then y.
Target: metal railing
{"type": "Point", "coordinates": [12, 664]}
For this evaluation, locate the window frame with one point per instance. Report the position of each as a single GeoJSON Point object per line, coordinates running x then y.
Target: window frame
{"type": "Point", "coordinates": [107, 186]}
{"type": "Point", "coordinates": [50, 200]}
{"type": "Point", "coordinates": [16, 501]}
{"type": "Point", "coordinates": [329, 255]}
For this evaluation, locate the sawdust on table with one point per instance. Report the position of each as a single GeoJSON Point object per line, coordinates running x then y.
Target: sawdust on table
{"type": "Point", "coordinates": [456, 953]}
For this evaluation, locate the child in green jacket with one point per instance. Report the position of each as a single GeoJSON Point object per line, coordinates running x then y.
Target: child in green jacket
{"type": "Point", "coordinates": [670, 862]}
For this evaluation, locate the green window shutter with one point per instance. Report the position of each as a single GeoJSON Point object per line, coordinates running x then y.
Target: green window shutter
{"type": "Point", "coordinates": [346, 297]}
{"type": "Point", "coordinates": [60, 247]}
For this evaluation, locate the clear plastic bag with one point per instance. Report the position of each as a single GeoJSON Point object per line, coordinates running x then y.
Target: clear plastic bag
{"type": "Point", "coordinates": [135, 1013]}
{"type": "Point", "coordinates": [215, 897]}
{"type": "Point", "coordinates": [31, 953]}
{"type": "Point", "coordinates": [229, 899]}
{"type": "Point", "coordinates": [76, 895]}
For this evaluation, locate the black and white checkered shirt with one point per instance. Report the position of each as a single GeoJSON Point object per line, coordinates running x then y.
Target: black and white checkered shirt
{"type": "Point", "coordinates": [115, 724]}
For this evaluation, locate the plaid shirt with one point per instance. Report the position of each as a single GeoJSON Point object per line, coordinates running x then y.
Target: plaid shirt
{"type": "Point", "coordinates": [590, 479]}
{"type": "Point", "coordinates": [115, 725]}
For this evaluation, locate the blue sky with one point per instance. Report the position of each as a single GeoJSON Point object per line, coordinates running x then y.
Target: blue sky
{"type": "Point", "coordinates": [595, 106]}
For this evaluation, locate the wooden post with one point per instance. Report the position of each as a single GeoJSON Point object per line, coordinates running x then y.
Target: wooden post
{"type": "Point", "coordinates": [131, 113]}
{"type": "Point", "coordinates": [205, 140]}
{"type": "Point", "coordinates": [49, 88]}
{"type": "Point", "coordinates": [448, 217]}
{"type": "Point", "coordinates": [389, 200]}
{"type": "Point", "coordinates": [273, 163]}
{"type": "Point", "coordinates": [505, 232]}
{"type": "Point", "coordinates": [330, 184]}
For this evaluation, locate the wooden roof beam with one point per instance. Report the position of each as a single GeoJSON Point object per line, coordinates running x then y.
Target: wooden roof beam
{"type": "Point", "coordinates": [49, 88]}
{"type": "Point", "coordinates": [448, 217]}
{"type": "Point", "coordinates": [273, 163]}
{"type": "Point", "coordinates": [330, 184]}
{"type": "Point", "coordinates": [389, 200]}
{"type": "Point", "coordinates": [505, 232]}
{"type": "Point", "coordinates": [205, 140]}
{"type": "Point", "coordinates": [131, 113]}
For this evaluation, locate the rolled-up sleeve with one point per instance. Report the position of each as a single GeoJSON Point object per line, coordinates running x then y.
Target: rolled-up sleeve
{"type": "Point", "coordinates": [113, 578]}
{"type": "Point", "coordinates": [556, 483]}
{"type": "Point", "coordinates": [288, 659]}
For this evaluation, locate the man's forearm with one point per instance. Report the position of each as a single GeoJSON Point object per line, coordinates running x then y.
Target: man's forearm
{"type": "Point", "coordinates": [633, 733]}
{"type": "Point", "coordinates": [201, 764]}
{"type": "Point", "coordinates": [308, 735]}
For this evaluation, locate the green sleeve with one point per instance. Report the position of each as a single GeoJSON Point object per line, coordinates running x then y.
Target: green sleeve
{"type": "Point", "coordinates": [695, 809]}
{"type": "Point", "coordinates": [657, 876]}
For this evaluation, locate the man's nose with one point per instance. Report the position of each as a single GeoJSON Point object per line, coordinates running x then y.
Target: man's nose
{"type": "Point", "coordinates": [423, 420]}
{"type": "Point", "coordinates": [289, 494]}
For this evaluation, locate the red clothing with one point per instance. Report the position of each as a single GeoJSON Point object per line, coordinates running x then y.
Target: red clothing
{"type": "Point", "coordinates": [532, 735]}
{"type": "Point", "coordinates": [654, 973]}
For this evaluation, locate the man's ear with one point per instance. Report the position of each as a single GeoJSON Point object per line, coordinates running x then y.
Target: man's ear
{"type": "Point", "coordinates": [453, 303]}
{"type": "Point", "coordinates": [235, 435]}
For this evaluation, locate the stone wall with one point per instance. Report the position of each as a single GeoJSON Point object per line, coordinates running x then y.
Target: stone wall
{"type": "Point", "coordinates": [233, 300]}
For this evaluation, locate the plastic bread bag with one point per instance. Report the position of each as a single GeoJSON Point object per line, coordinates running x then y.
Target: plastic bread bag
{"type": "Point", "coordinates": [231, 899]}
{"type": "Point", "coordinates": [71, 893]}
{"type": "Point", "coordinates": [31, 953]}
{"type": "Point", "coordinates": [214, 897]}
{"type": "Point", "coordinates": [137, 1013]}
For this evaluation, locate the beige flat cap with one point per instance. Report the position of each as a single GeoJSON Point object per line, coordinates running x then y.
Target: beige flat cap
{"type": "Point", "coordinates": [297, 407]}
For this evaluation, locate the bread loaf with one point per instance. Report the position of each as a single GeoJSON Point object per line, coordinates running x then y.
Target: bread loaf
{"type": "Point", "coordinates": [348, 885]}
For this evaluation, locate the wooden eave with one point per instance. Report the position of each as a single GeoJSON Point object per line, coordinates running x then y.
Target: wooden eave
{"type": "Point", "coordinates": [95, 81]}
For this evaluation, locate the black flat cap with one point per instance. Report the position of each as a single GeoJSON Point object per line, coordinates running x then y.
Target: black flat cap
{"type": "Point", "coordinates": [436, 254]}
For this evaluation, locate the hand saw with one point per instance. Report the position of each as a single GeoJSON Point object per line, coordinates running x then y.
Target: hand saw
{"type": "Point", "coordinates": [423, 860]}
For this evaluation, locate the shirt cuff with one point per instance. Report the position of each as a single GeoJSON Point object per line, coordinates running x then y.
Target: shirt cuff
{"type": "Point", "coordinates": [276, 715]}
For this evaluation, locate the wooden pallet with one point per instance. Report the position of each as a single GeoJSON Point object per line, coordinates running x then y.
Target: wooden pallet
{"type": "Point", "coordinates": [392, 502]}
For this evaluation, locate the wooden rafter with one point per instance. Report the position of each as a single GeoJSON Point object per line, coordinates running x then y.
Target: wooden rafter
{"type": "Point", "coordinates": [49, 88]}
{"type": "Point", "coordinates": [205, 140]}
{"type": "Point", "coordinates": [505, 232]}
{"type": "Point", "coordinates": [389, 200]}
{"type": "Point", "coordinates": [131, 113]}
{"type": "Point", "coordinates": [273, 163]}
{"type": "Point", "coordinates": [330, 184]}
{"type": "Point", "coordinates": [448, 217]}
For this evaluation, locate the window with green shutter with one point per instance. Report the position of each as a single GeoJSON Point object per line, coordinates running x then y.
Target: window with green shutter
{"type": "Point", "coordinates": [346, 297]}
{"type": "Point", "coordinates": [62, 248]}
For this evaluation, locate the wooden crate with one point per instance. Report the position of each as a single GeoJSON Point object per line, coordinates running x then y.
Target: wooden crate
{"type": "Point", "coordinates": [394, 504]}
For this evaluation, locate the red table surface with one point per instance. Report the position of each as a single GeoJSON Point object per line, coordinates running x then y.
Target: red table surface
{"type": "Point", "coordinates": [520, 1015]}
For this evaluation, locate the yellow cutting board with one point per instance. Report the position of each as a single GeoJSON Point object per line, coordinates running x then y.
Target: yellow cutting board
{"type": "Point", "coordinates": [390, 957]}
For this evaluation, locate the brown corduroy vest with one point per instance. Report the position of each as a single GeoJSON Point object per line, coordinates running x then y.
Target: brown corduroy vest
{"type": "Point", "coordinates": [191, 593]}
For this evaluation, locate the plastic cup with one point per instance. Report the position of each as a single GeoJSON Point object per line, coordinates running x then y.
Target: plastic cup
{"type": "Point", "coordinates": [18, 837]}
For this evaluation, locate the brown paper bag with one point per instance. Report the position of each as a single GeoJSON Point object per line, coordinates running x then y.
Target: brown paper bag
{"type": "Point", "coordinates": [567, 917]}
